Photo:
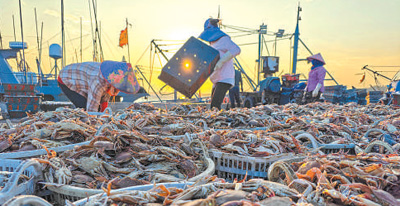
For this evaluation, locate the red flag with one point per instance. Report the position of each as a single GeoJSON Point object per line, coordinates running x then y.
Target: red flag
{"type": "Point", "coordinates": [123, 37]}
{"type": "Point", "coordinates": [362, 79]}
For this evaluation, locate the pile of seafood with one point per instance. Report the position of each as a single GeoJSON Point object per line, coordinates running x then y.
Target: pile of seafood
{"type": "Point", "coordinates": [130, 157]}
{"type": "Point", "coordinates": [51, 129]}
{"type": "Point", "coordinates": [329, 180]}
{"type": "Point", "coordinates": [143, 145]}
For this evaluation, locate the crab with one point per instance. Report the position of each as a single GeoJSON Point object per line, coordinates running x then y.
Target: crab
{"type": "Point", "coordinates": [57, 172]}
{"type": "Point", "coordinates": [98, 167]}
{"type": "Point", "coordinates": [64, 129]}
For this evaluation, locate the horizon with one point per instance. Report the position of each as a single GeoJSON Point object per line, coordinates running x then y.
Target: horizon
{"type": "Point", "coordinates": [348, 34]}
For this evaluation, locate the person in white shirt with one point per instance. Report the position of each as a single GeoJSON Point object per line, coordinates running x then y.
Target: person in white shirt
{"type": "Point", "coordinates": [223, 77]}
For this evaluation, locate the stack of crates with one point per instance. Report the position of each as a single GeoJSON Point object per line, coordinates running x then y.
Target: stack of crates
{"type": "Point", "coordinates": [335, 94]}
{"type": "Point", "coordinates": [21, 99]}
{"type": "Point", "coordinates": [374, 96]}
{"type": "Point", "coordinates": [350, 95]}
{"type": "Point", "coordinates": [361, 94]}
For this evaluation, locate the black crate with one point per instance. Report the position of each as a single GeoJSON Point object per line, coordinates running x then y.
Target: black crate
{"type": "Point", "coordinates": [335, 148]}
{"type": "Point", "coordinates": [190, 67]}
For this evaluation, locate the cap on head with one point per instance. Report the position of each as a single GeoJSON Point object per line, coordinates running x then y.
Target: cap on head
{"type": "Point", "coordinates": [211, 31]}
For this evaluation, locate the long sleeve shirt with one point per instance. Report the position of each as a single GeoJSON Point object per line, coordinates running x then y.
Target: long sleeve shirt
{"type": "Point", "coordinates": [316, 76]}
{"type": "Point", "coordinates": [87, 80]}
{"type": "Point", "coordinates": [227, 73]}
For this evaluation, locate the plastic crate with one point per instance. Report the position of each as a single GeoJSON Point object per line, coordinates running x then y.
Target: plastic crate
{"type": "Point", "coordinates": [335, 148]}
{"type": "Point", "coordinates": [13, 187]}
{"type": "Point", "coordinates": [19, 87]}
{"type": "Point", "coordinates": [23, 107]}
{"type": "Point", "coordinates": [22, 99]}
{"type": "Point", "coordinates": [231, 166]}
{"type": "Point", "coordinates": [17, 114]}
{"type": "Point", "coordinates": [396, 99]}
{"type": "Point", "coordinates": [140, 188]}
{"type": "Point", "coordinates": [36, 153]}
{"type": "Point", "coordinates": [19, 93]}
{"type": "Point", "coordinates": [72, 193]}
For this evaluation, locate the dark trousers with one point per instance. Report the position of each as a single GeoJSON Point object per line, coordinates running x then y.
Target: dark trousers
{"type": "Point", "coordinates": [308, 98]}
{"type": "Point", "coordinates": [218, 94]}
{"type": "Point", "coordinates": [78, 100]}
{"type": "Point", "coordinates": [234, 95]}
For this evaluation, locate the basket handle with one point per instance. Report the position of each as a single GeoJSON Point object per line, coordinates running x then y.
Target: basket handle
{"type": "Point", "coordinates": [19, 170]}
{"type": "Point", "coordinates": [202, 146]}
{"type": "Point", "coordinates": [27, 200]}
{"type": "Point", "coordinates": [310, 137]}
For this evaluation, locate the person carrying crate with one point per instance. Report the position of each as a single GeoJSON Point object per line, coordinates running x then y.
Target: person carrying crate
{"type": "Point", "coordinates": [315, 82]}
{"type": "Point", "coordinates": [223, 76]}
{"type": "Point", "coordinates": [90, 85]}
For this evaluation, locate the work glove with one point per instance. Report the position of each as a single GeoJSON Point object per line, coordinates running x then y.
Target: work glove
{"type": "Point", "coordinates": [224, 58]}
{"type": "Point", "coordinates": [316, 90]}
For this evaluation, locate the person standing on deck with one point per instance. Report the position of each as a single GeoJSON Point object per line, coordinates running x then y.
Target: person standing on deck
{"type": "Point", "coordinates": [234, 92]}
{"type": "Point", "coordinates": [90, 85]}
{"type": "Point", "coordinates": [315, 82]}
{"type": "Point", "coordinates": [223, 77]}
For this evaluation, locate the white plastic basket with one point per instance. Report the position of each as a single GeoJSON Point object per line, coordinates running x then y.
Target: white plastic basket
{"type": "Point", "coordinates": [72, 193]}
{"type": "Point", "coordinates": [12, 188]}
{"type": "Point", "coordinates": [36, 153]}
{"type": "Point", "coordinates": [141, 188]}
{"type": "Point", "coordinates": [231, 166]}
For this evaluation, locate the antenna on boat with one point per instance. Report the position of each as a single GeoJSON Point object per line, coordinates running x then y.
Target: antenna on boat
{"type": "Point", "coordinates": [55, 52]}
{"type": "Point", "coordinates": [63, 56]}
{"type": "Point", "coordinates": [22, 38]}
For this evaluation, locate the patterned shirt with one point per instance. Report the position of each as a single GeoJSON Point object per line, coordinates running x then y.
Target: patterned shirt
{"type": "Point", "coordinates": [316, 76]}
{"type": "Point", "coordinates": [87, 80]}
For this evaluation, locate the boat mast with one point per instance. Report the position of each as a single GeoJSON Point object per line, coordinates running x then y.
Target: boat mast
{"type": "Point", "coordinates": [97, 33]}
{"type": "Point", "coordinates": [1, 42]}
{"type": "Point", "coordinates": [22, 37]}
{"type": "Point", "coordinates": [63, 59]}
{"type": "Point", "coordinates": [38, 47]}
{"type": "Point", "coordinates": [80, 51]}
{"type": "Point", "coordinates": [296, 41]}
{"type": "Point", "coordinates": [127, 36]}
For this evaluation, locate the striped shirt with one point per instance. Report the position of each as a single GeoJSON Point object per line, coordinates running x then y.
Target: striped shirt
{"type": "Point", "coordinates": [87, 80]}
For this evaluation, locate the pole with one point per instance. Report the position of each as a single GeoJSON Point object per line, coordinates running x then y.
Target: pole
{"type": "Point", "coordinates": [63, 59]}
{"type": "Point", "coordinates": [80, 51]}
{"type": "Point", "coordinates": [93, 36]}
{"type": "Point", "coordinates": [15, 39]}
{"type": "Point", "coordinates": [15, 36]}
{"type": "Point", "coordinates": [22, 38]}
{"type": "Point", "coordinates": [40, 57]}
{"type": "Point", "coordinates": [97, 31]}
{"type": "Point", "coordinates": [376, 73]}
{"type": "Point", "coordinates": [259, 56]}
{"type": "Point", "coordinates": [1, 41]}
{"type": "Point", "coordinates": [296, 42]}
{"type": "Point", "coordinates": [38, 44]}
{"type": "Point", "coordinates": [129, 55]}
{"type": "Point", "coordinates": [147, 82]}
